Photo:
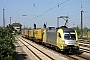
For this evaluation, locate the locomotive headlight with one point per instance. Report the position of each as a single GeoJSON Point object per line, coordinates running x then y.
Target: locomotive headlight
{"type": "Point", "coordinates": [76, 41]}
{"type": "Point", "coordinates": [63, 41]}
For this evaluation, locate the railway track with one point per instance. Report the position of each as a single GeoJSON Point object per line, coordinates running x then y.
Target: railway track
{"type": "Point", "coordinates": [44, 55]}
{"type": "Point", "coordinates": [85, 50]}
{"type": "Point", "coordinates": [73, 56]}
{"type": "Point", "coordinates": [70, 57]}
{"type": "Point", "coordinates": [76, 57]}
{"type": "Point", "coordinates": [84, 41]}
{"type": "Point", "coordinates": [84, 45]}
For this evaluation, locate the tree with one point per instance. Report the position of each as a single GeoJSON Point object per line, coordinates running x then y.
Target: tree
{"type": "Point", "coordinates": [78, 30]}
{"type": "Point", "coordinates": [6, 44]}
{"type": "Point", "coordinates": [85, 31]}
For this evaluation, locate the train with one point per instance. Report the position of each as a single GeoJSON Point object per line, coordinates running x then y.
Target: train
{"type": "Point", "coordinates": [61, 38]}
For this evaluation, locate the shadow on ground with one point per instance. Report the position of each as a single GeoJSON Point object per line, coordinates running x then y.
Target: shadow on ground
{"type": "Point", "coordinates": [20, 56]}
{"type": "Point", "coordinates": [72, 53]}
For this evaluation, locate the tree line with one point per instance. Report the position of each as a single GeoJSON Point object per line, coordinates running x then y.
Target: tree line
{"type": "Point", "coordinates": [86, 31]}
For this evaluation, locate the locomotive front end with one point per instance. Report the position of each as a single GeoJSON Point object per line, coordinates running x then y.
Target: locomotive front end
{"type": "Point", "coordinates": [67, 39]}
{"type": "Point", "coordinates": [70, 39]}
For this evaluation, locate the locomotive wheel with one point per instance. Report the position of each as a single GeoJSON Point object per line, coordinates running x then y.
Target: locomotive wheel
{"type": "Point", "coordinates": [57, 49]}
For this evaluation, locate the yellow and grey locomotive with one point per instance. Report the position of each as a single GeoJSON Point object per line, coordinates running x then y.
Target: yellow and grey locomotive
{"type": "Point", "coordinates": [64, 39]}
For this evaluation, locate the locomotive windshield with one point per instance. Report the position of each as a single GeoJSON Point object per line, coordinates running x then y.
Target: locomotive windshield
{"type": "Point", "coordinates": [69, 35]}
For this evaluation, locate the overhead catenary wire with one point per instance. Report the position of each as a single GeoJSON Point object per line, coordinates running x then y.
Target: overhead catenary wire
{"type": "Point", "coordinates": [49, 10]}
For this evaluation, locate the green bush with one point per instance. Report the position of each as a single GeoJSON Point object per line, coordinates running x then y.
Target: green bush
{"type": "Point", "coordinates": [6, 44]}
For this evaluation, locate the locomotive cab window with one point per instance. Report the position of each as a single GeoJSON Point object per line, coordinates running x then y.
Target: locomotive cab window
{"type": "Point", "coordinates": [69, 35]}
{"type": "Point", "coordinates": [59, 35]}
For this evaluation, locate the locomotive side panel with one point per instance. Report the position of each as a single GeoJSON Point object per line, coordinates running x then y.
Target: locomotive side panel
{"type": "Point", "coordinates": [51, 37]}
{"type": "Point", "coordinates": [60, 38]}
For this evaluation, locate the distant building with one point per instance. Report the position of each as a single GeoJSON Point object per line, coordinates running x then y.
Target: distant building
{"type": "Point", "coordinates": [17, 26]}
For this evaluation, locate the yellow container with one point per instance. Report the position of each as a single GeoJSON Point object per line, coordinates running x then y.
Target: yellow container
{"type": "Point", "coordinates": [38, 33]}
{"type": "Point", "coordinates": [26, 33]}
{"type": "Point", "coordinates": [31, 33]}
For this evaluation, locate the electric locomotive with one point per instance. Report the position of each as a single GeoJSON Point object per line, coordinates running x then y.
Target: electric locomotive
{"type": "Point", "coordinates": [63, 38]}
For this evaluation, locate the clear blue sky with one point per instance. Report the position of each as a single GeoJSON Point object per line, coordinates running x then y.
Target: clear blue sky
{"type": "Point", "coordinates": [42, 11]}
